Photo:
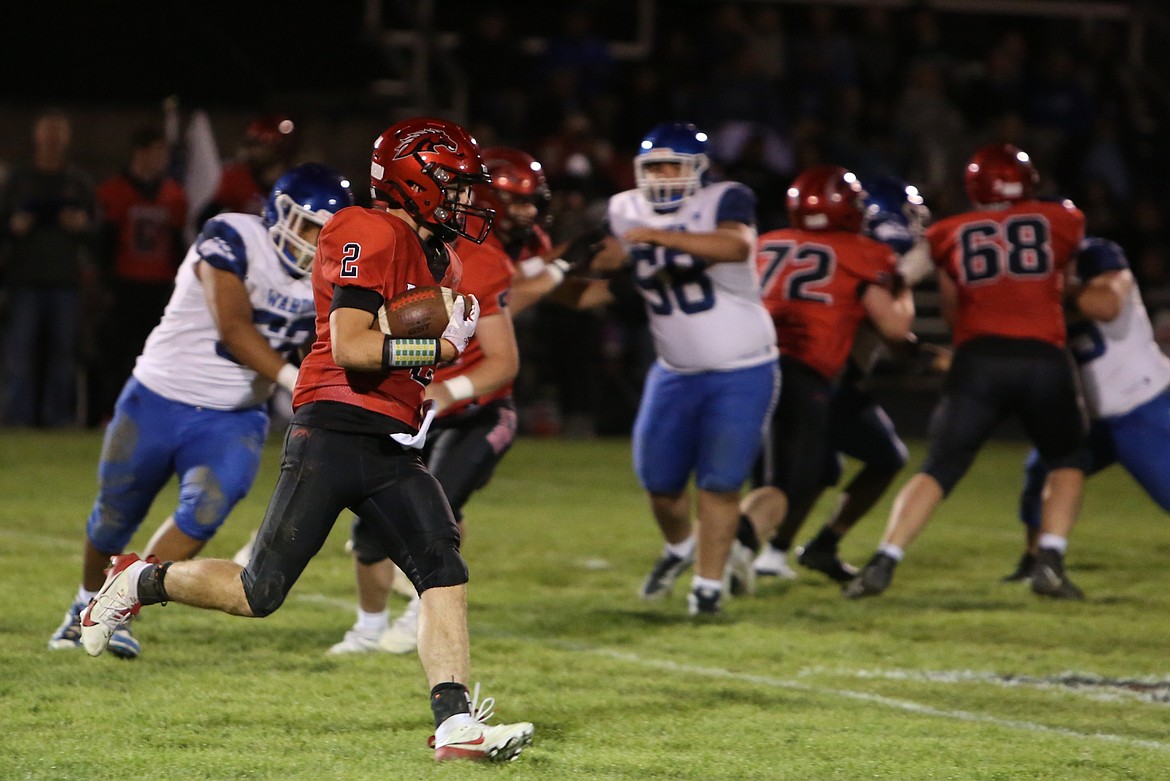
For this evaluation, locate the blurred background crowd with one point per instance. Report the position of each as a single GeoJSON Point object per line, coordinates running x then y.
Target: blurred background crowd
{"type": "Point", "coordinates": [882, 87]}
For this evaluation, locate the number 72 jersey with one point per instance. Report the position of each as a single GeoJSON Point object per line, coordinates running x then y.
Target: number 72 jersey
{"type": "Point", "coordinates": [703, 316]}
{"type": "Point", "coordinates": [1009, 267]}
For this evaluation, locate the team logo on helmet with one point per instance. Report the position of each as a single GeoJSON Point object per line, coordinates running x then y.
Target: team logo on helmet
{"type": "Point", "coordinates": [426, 140]}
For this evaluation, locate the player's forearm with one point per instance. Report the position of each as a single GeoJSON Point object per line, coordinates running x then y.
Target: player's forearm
{"type": "Point", "coordinates": [251, 349]}
{"type": "Point", "coordinates": [723, 245]}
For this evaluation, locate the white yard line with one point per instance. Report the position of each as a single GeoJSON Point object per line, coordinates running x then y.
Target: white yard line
{"type": "Point", "coordinates": [698, 671]}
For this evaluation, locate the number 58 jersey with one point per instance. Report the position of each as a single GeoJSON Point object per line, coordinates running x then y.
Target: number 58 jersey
{"type": "Point", "coordinates": [1009, 267]}
{"type": "Point", "coordinates": [184, 359]}
{"type": "Point", "coordinates": [703, 316]}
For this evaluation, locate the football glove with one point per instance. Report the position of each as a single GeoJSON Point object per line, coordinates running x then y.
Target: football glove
{"type": "Point", "coordinates": [460, 328]}
{"type": "Point", "coordinates": [579, 254]}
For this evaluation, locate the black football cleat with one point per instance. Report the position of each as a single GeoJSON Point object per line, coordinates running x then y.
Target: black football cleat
{"type": "Point", "coordinates": [826, 561]}
{"type": "Point", "coordinates": [1048, 578]}
{"type": "Point", "coordinates": [1023, 569]}
{"type": "Point", "coordinates": [874, 578]}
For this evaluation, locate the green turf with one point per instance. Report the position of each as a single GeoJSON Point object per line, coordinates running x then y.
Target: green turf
{"type": "Point", "coordinates": [796, 683]}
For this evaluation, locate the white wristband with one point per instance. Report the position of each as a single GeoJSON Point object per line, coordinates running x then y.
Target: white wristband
{"type": "Point", "coordinates": [287, 377]}
{"type": "Point", "coordinates": [557, 270]}
{"type": "Point", "coordinates": [460, 388]}
{"type": "Point", "coordinates": [531, 267]}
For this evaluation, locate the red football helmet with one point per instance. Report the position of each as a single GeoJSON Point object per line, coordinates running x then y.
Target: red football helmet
{"type": "Point", "coordinates": [1000, 172]}
{"type": "Point", "coordinates": [275, 132]}
{"type": "Point", "coordinates": [826, 197]}
{"type": "Point", "coordinates": [427, 166]}
{"type": "Point", "coordinates": [518, 192]}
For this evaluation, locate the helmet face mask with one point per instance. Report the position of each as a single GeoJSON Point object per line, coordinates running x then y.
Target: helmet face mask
{"type": "Point", "coordinates": [670, 164]}
{"type": "Point", "coordinates": [889, 195]}
{"type": "Point", "coordinates": [518, 193]}
{"type": "Point", "coordinates": [426, 167]}
{"type": "Point", "coordinates": [826, 197]}
{"type": "Point", "coordinates": [300, 204]}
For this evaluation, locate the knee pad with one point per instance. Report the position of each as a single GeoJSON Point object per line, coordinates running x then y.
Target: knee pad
{"type": "Point", "coordinates": [264, 594]}
{"type": "Point", "coordinates": [367, 548]}
{"type": "Point", "coordinates": [442, 565]}
{"type": "Point", "coordinates": [108, 529]}
{"type": "Point", "coordinates": [948, 473]}
{"type": "Point", "coordinates": [204, 505]}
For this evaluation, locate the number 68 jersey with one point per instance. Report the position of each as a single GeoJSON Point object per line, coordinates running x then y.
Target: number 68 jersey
{"type": "Point", "coordinates": [1009, 266]}
{"type": "Point", "coordinates": [703, 316]}
{"type": "Point", "coordinates": [184, 359]}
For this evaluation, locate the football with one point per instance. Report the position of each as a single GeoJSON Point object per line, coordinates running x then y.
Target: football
{"type": "Point", "coordinates": [418, 313]}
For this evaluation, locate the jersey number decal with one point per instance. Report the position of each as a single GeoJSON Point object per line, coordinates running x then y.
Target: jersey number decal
{"type": "Point", "coordinates": [283, 335]}
{"type": "Point", "coordinates": [669, 280]}
{"type": "Point", "coordinates": [349, 258]}
{"type": "Point", "coordinates": [812, 265]}
{"type": "Point", "coordinates": [1020, 245]}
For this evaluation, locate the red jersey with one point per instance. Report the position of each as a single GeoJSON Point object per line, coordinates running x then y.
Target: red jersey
{"type": "Point", "coordinates": [372, 250]}
{"type": "Point", "coordinates": [812, 283]}
{"type": "Point", "coordinates": [487, 275]}
{"type": "Point", "coordinates": [1008, 265]}
{"type": "Point", "coordinates": [147, 226]}
{"type": "Point", "coordinates": [239, 191]}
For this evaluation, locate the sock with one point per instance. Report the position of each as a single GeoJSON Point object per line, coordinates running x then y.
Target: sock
{"type": "Point", "coordinates": [893, 551]}
{"type": "Point", "coordinates": [1053, 542]}
{"type": "Point", "coordinates": [706, 584]}
{"type": "Point", "coordinates": [372, 623]}
{"type": "Point", "coordinates": [684, 549]}
{"type": "Point", "coordinates": [746, 533]}
{"type": "Point", "coordinates": [151, 590]}
{"type": "Point", "coordinates": [84, 596]}
{"type": "Point", "coordinates": [449, 699]}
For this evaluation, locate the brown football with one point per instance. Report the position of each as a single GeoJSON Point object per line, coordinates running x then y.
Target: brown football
{"type": "Point", "coordinates": [418, 313]}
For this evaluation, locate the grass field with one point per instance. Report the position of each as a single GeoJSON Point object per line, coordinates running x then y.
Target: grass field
{"type": "Point", "coordinates": [950, 675]}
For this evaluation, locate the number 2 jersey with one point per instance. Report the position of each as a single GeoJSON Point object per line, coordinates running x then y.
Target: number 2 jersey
{"type": "Point", "coordinates": [812, 284]}
{"type": "Point", "coordinates": [184, 359]}
{"type": "Point", "coordinates": [1008, 264]}
{"type": "Point", "coordinates": [703, 316]}
{"type": "Point", "coordinates": [372, 250]}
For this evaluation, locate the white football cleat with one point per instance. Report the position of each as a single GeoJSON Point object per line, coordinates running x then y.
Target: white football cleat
{"type": "Point", "coordinates": [244, 554]}
{"type": "Point", "coordinates": [774, 563]}
{"type": "Point", "coordinates": [356, 642]}
{"type": "Point", "coordinates": [402, 635]}
{"type": "Point", "coordinates": [115, 604]}
{"type": "Point", "coordinates": [467, 736]}
{"type": "Point", "coordinates": [740, 574]}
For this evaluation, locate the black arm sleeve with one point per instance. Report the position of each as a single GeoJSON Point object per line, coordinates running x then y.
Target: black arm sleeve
{"type": "Point", "coordinates": [356, 298]}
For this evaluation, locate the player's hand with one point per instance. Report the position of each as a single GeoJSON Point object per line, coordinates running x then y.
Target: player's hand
{"type": "Point", "coordinates": [580, 251]}
{"type": "Point", "coordinates": [461, 327]}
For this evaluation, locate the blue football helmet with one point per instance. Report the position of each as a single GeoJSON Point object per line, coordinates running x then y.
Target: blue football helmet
{"type": "Point", "coordinates": [894, 212]}
{"type": "Point", "coordinates": [308, 193]}
{"type": "Point", "coordinates": [671, 142]}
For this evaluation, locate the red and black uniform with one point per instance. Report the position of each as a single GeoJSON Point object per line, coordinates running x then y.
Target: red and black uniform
{"type": "Point", "coordinates": [467, 441]}
{"type": "Point", "coordinates": [812, 283]}
{"type": "Point", "coordinates": [1007, 266]}
{"type": "Point", "coordinates": [338, 454]}
{"type": "Point", "coordinates": [143, 240]}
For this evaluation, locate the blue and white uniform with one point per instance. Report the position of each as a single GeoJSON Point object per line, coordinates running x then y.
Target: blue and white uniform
{"type": "Point", "coordinates": [1127, 387]}
{"type": "Point", "coordinates": [711, 390]}
{"type": "Point", "coordinates": [190, 407]}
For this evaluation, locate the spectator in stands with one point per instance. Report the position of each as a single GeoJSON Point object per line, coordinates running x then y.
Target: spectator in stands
{"type": "Point", "coordinates": [47, 217]}
{"type": "Point", "coordinates": [143, 214]}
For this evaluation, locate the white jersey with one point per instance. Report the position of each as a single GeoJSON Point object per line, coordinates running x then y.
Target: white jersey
{"type": "Point", "coordinates": [184, 359]}
{"type": "Point", "coordinates": [702, 317]}
{"type": "Point", "coordinates": [1121, 364]}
